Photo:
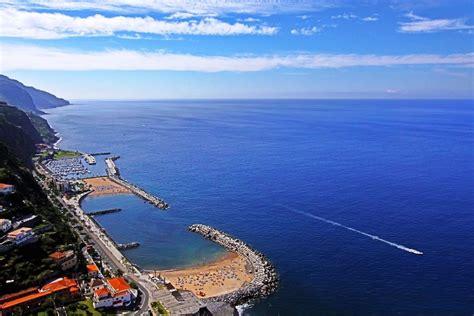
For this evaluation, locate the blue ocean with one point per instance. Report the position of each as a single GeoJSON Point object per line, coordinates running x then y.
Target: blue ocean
{"type": "Point", "coordinates": [271, 171]}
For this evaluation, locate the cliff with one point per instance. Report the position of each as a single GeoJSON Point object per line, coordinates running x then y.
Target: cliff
{"type": "Point", "coordinates": [28, 99]}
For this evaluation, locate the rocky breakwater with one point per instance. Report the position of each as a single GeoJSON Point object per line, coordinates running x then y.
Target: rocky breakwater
{"type": "Point", "coordinates": [265, 279]}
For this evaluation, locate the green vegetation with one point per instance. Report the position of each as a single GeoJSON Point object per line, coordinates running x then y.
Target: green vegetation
{"type": "Point", "coordinates": [17, 133]}
{"type": "Point", "coordinates": [30, 265]}
{"type": "Point", "coordinates": [66, 154]}
{"type": "Point", "coordinates": [41, 125]}
{"type": "Point", "coordinates": [159, 308]}
{"type": "Point", "coordinates": [82, 308]}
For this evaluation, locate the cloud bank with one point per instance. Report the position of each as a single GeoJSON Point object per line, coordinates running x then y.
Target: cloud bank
{"type": "Point", "coordinates": [171, 6]}
{"type": "Point", "coordinates": [419, 24]}
{"type": "Point", "coordinates": [18, 57]}
{"type": "Point", "coordinates": [41, 25]}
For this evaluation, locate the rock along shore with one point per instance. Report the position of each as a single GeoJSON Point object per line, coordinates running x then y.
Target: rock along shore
{"type": "Point", "coordinates": [265, 279]}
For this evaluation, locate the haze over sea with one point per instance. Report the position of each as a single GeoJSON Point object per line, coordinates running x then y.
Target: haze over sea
{"type": "Point", "coordinates": [400, 170]}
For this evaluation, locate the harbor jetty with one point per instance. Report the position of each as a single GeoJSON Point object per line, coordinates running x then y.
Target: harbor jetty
{"type": "Point", "coordinates": [100, 154]}
{"type": "Point", "coordinates": [160, 203]}
{"type": "Point", "coordinates": [112, 170]}
{"type": "Point", "coordinates": [103, 212]}
{"type": "Point", "coordinates": [265, 279]}
{"type": "Point", "coordinates": [129, 245]}
{"type": "Point", "coordinates": [89, 159]}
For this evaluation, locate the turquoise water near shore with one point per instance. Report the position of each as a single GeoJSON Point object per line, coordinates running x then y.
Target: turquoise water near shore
{"type": "Point", "coordinates": [400, 170]}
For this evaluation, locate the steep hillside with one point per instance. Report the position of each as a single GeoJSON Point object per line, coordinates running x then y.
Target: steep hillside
{"type": "Point", "coordinates": [47, 133]}
{"type": "Point", "coordinates": [17, 133]}
{"type": "Point", "coordinates": [45, 100]}
{"type": "Point", "coordinates": [26, 98]}
{"type": "Point", "coordinates": [14, 95]}
{"type": "Point", "coordinates": [30, 265]}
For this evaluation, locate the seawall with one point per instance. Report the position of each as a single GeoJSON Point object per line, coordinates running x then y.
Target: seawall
{"type": "Point", "coordinates": [265, 279]}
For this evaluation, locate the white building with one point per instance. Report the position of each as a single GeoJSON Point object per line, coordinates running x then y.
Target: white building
{"type": "Point", "coordinates": [22, 235]}
{"type": "Point", "coordinates": [6, 188]}
{"type": "Point", "coordinates": [115, 293]}
{"type": "Point", "coordinates": [66, 259]}
{"type": "Point", "coordinates": [5, 225]}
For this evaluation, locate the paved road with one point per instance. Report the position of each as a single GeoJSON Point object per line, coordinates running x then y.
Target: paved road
{"type": "Point", "coordinates": [111, 258]}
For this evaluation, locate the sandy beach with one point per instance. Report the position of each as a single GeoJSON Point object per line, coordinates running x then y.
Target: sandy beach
{"type": "Point", "coordinates": [221, 276]}
{"type": "Point", "coordinates": [105, 186]}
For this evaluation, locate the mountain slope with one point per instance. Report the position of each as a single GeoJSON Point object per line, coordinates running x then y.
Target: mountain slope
{"type": "Point", "coordinates": [14, 95]}
{"type": "Point", "coordinates": [18, 133]}
{"type": "Point", "coordinates": [26, 98]}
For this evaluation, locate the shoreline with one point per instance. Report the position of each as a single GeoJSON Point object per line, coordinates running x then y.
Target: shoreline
{"type": "Point", "coordinates": [223, 275]}
{"type": "Point", "coordinates": [229, 278]}
{"type": "Point", "coordinates": [265, 279]}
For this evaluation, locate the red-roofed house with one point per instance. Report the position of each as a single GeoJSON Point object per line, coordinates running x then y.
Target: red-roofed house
{"type": "Point", "coordinates": [92, 270]}
{"type": "Point", "coordinates": [116, 293]}
{"type": "Point", "coordinates": [64, 289]}
{"type": "Point", "coordinates": [6, 188]}
{"type": "Point", "coordinates": [66, 259]}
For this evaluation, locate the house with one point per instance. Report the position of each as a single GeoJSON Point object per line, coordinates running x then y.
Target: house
{"type": "Point", "coordinates": [62, 185]}
{"type": "Point", "coordinates": [96, 284]}
{"type": "Point", "coordinates": [66, 259]}
{"type": "Point", "coordinates": [63, 289]}
{"type": "Point", "coordinates": [6, 188]}
{"type": "Point", "coordinates": [5, 225]}
{"type": "Point", "coordinates": [116, 293]}
{"type": "Point", "coordinates": [22, 236]}
{"type": "Point", "coordinates": [92, 270]}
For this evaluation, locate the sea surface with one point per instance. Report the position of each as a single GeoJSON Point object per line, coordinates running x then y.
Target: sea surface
{"type": "Point", "coordinates": [269, 172]}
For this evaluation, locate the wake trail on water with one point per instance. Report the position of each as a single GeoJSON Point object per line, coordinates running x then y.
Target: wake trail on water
{"type": "Point", "coordinates": [377, 238]}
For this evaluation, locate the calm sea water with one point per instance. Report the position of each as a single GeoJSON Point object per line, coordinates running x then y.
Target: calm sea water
{"type": "Point", "coordinates": [400, 170]}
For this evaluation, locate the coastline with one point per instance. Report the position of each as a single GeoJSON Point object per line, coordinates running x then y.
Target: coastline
{"type": "Point", "coordinates": [229, 278]}
{"type": "Point", "coordinates": [223, 275]}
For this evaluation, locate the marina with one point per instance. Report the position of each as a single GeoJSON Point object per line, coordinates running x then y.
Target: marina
{"type": "Point", "coordinates": [66, 167]}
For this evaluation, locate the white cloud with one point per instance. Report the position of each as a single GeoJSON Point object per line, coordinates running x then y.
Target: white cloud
{"type": "Point", "coordinates": [392, 91]}
{"type": "Point", "coordinates": [351, 16]}
{"type": "Point", "coordinates": [370, 19]}
{"type": "Point", "coordinates": [306, 31]}
{"type": "Point", "coordinates": [171, 6]}
{"type": "Point", "coordinates": [251, 20]}
{"type": "Point", "coordinates": [345, 16]}
{"type": "Point", "coordinates": [419, 24]}
{"type": "Point", "coordinates": [180, 16]}
{"type": "Point", "coordinates": [23, 57]}
{"type": "Point", "coordinates": [40, 25]}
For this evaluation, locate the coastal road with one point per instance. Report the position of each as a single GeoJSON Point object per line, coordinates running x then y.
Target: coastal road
{"type": "Point", "coordinates": [107, 254]}
{"type": "Point", "coordinates": [112, 259]}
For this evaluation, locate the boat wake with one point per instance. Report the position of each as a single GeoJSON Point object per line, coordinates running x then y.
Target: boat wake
{"type": "Point", "coordinates": [377, 238]}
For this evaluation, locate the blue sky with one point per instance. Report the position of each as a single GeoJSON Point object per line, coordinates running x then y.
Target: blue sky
{"type": "Point", "coordinates": [153, 49]}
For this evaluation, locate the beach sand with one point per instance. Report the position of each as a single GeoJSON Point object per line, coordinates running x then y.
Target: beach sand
{"type": "Point", "coordinates": [105, 186]}
{"type": "Point", "coordinates": [219, 277]}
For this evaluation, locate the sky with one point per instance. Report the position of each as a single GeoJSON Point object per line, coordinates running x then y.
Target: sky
{"type": "Point", "coordinates": [184, 49]}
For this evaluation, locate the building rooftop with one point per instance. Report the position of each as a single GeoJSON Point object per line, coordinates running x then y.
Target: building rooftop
{"type": "Point", "coordinates": [118, 284]}
{"type": "Point", "coordinates": [58, 255]}
{"type": "Point", "coordinates": [4, 220]}
{"type": "Point", "coordinates": [48, 289]}
{"type": "Point", "coordinates": [19, 231]}
{"type": "Point", "coordinates": [102, 292]}
{"type": "Point", "coordinates": [5, 186]}
{"type": "Point", "coordinates": [96, 282]}
{"type": "Point", "coordinates": [92, 268]}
